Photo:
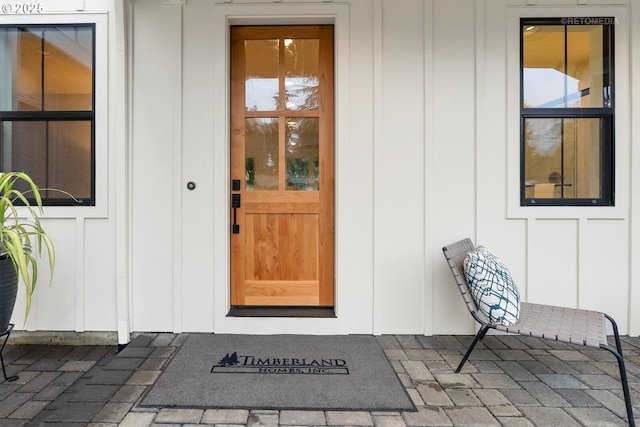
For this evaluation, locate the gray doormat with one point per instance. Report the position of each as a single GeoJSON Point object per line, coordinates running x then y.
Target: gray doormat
{"type": "Point", "coordinates": [280, 372]}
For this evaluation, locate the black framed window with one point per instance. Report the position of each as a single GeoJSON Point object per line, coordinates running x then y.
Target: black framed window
{"type": "Point", "coordinates": [567, 112]}
{"type": "Point", "coordinates": [47, 108]}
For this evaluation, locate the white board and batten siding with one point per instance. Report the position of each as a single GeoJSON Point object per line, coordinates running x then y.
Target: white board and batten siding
{"type": "Point", "coordinates": [90, 275]}
{"type": "Point", "coordinates": [426, 152]}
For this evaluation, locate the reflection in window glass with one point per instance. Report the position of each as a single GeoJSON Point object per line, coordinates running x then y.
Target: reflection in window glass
{"type": "Point", "coordinates": [47, 95]}
{"type": "Point", "coordinates": [563, 66]}
{"type": "Point", "coordinates": [58, 59]}
{"type": "Point", "coordinates": [543, 77]}
{"type": "Point", "coordinates": [567, 113]}
{"type": "Point", "coordinates": [261, 153]}
{"type": "Point", "coordinates": [20, 69]}
{"type": "Point", "coordinates": [56, 154]}
{"type": "Point", "coordinates": [68, 68]}
{"type": "Point", "coordinates": [562, 158]}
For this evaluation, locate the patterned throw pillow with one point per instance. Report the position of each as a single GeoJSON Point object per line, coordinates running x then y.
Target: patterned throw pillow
{"type": "Point", "coordinates": [492, 287]}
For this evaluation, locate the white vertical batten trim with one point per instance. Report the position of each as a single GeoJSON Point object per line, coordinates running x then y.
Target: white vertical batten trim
{"type": "Point", "coordinates": [176, 89]}
{"type": "Point", "coordinates": [122, 75]}
{"type": "Point", "coordinates": [479, 102]}
{"type": "Point", "coordinates": [221, 169]}
{"type": "Point", "coordinates": [377, 134]}
{"type": "Point", "coordinates": [634, 208]}
{"type": "Point", "coordinates": [582, 229]}
{"type": "Point", "coordinates": [429, 251]}
{"type": "Point", "coordinates": [341, 60]}
{"type": "Point", "coordinates": [80, 261]}
{"type": "Point", "coordinates": [530, 226]}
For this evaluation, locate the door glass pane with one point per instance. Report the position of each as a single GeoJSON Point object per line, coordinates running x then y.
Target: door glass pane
{"type": "Point", "coordinates": [562, 158]}
{"type": "Point", "coordinates": [261, 154]}
{"type": "Point", "coordinates": [301, 58]}
{"type": "Point", "coordinates": [261, 81]}
{"type": "Point", "coordinates": [302, 153]}
{"type": "Point", "coordinates": [20, 69]}
{"type": "Point", "coordinates": [544, 67]}
{"type": "Point", "coordinates": [68, 68]}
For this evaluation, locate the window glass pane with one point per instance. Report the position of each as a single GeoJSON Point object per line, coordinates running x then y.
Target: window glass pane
{"type": "Point", "coordinates": [559, 77]}
{"type": "Point", "coordinates": [585, 64]}
{"type": "Point", "coordinates": [261, 82]}
{"type": "Point", "coordinates": [583, 157]}
{"type": "Point", "coordinates": [544, 76]}
{"type": "Point", "coordinates": [47, 83]}
{"type": "Point", "coordinates": [301, 58]}
{"type": "Point", "coordinates": [68, 68]}
{"type": "Point", "coordinates": [567, 112]}
{"type": "Point", "coordinates": [23, 148]}
{"type": "Point", "coordinates": [69, 159]}
{"type": "Point", "coordinates": [56, 154]}
{"type": "Point", "coordinates": [302, 151]}
{"type": "Point", "coordinates": [21, 69]}
{"type": "Point", "coordinates": [261, 153]}
{"type": "Point", "coordinates": [66, 56]}
{"type": "Point", "coordinates": [562, 158]}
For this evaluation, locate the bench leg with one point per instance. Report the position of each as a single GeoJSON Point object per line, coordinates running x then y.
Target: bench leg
{"type": "Point", "coordinates": [617, 352]}
{"type": "Point", "coordinates": [481, 333]}
{"type": "Point", "coordinates": [4, 372]}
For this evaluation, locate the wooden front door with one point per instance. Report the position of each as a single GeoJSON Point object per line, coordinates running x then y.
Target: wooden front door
{"type": "Point", "coordinates": [282, 192]}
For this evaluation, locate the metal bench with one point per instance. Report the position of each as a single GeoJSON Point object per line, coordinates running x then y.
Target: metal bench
{"type": "Point", "coordinates": [568, 325]}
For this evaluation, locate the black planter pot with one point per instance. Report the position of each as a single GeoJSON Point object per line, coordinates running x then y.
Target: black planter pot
{"type": "Point", "coordinates": [8, 291]}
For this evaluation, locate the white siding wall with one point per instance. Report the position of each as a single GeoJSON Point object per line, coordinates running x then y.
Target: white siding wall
{"type": "Point", "coordinates": [156, 169]}
{"type": "Point", "coordinates": [577, 257]}
{"type": "Point", "coordinates": [451, 168]}
{"type": "Point", "coordinates": [424, 101]}
{"type": "Point", "coordinates": [84, 290]}
{"type": "Point", "coordinates": [634, 176]}
{"type": "Point", "coordinates": [426, 153]}
{"type": "Point", "coordinates": [355, 180]}
{"type": "Point", "coordinates": [197, 153]}
{"type": "Point", "coordinates": [399, 172]}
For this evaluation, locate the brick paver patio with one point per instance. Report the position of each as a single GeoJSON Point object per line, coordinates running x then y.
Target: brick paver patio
{"type": "Point", "coordinates": [508, 381]}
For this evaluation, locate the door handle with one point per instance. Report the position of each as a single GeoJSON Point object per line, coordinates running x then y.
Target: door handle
{"type": "Point", "coordinates": [235, 204]}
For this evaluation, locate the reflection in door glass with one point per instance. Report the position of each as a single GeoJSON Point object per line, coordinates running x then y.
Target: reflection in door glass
{"type": "Point", "coordinates": [302, 151]}
{"type": "Point", "coordinates": [261, 81]}
{"type": "Point", "coordinates": [301, 58]}
{"type": "Point", "coordinates": [261, 153]}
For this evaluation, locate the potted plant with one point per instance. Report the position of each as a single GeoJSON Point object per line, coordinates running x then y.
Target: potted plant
{"type": "Point", "coordinates": [20, 233]}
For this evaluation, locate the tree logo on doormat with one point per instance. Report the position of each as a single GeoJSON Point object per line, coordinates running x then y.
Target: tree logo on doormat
{"type": "Point", "coordinates": [233, 363]}
{"type": "Point", "coordinates": [228, 360]}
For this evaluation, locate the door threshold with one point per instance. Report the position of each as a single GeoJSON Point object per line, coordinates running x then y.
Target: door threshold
{"type": "Point", "coordinates": [280, 311]}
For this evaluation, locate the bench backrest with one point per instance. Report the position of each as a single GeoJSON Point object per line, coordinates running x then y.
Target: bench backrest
{"type": "Point", "coordinates": [455, 254]}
